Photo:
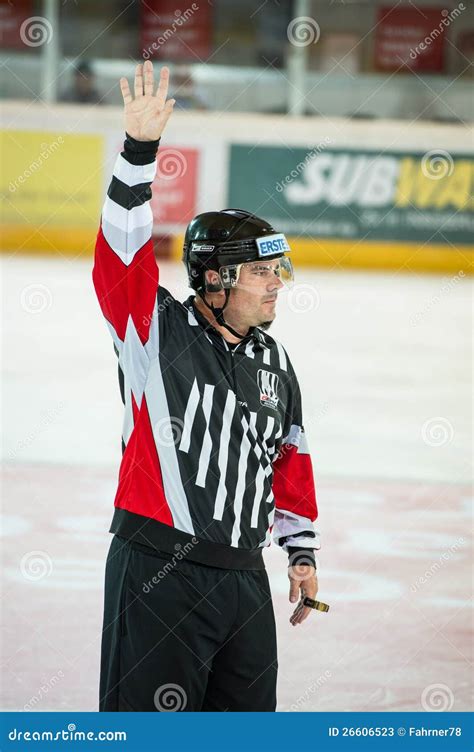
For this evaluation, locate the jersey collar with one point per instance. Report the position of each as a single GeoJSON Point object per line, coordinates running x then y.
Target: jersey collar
{"type": "Point", "coordinates": [254, 333]}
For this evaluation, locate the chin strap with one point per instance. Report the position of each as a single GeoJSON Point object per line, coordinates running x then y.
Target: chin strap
{"type": "Point", "coordinates": [219, 314]}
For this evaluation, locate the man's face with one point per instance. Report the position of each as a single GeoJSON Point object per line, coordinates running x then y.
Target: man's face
{"type": "Point", "coordinates": [253, 300]}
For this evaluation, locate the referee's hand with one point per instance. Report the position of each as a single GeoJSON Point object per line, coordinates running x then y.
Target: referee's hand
{"type": "Point", "coordinates": [147, 114]}
{"type": "Point", "coordinates": [303, 581]}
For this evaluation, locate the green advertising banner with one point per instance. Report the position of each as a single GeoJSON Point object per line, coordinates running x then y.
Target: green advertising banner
{"type": "Point", "coordinates": [344, 194]}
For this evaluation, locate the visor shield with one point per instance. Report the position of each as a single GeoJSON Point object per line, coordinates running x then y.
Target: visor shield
{"type": "Point", "coordinates": [282, 267]}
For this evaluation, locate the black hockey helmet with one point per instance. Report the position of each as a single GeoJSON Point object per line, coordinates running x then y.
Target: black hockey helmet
{"type": "Point", "coordinates": [222, 241]}
{"type": "Point", "coordinates": [218, 239]}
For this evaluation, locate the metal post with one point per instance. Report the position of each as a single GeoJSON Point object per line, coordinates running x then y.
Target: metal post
{"type": "Point", "coordinates": [50, 52]}
{"type": "Point", "coordinates": [297, 59]}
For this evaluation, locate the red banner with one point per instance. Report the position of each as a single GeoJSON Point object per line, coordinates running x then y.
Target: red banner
{"type": "Point", "coordinates": [15, 32]}
{"type": "Point", "coordinates": [175, 186]}
{"type": "Point", "coordinates": [410, 38]}
{"type": "Point", "coordinates": [175, 35]}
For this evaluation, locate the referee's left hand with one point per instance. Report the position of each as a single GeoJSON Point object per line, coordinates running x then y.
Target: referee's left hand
{"type": "Point", "coordinates": [303, 582]}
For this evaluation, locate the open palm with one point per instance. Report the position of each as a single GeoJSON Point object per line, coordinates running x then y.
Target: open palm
{"type": "Point", "coordinates": [147, 114]}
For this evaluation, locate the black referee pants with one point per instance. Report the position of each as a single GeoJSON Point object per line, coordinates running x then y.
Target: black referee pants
{"type": "Point", "coordinates": [183, 636]}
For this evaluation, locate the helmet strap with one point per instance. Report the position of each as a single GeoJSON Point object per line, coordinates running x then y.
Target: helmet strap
{"type": "Point", "coordinates": [218, 314]}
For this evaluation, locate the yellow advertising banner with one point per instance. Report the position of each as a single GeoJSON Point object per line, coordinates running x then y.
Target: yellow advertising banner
{"type": "Point", "coordinates": [51, 188]}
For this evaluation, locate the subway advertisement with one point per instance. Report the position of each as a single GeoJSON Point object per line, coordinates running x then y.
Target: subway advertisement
{"type": "Point", "coordinates": [357, 195]}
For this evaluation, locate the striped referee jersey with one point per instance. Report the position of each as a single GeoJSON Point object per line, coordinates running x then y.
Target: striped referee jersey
{"type": "Point", "coordinates": [214, 456]}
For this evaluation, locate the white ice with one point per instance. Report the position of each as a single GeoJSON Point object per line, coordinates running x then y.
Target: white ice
{"type": "Point", "coordinates": [383, 360]}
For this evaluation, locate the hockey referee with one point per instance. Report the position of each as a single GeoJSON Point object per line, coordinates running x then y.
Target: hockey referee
{"type": "Point", "coordinates": [215, 463]}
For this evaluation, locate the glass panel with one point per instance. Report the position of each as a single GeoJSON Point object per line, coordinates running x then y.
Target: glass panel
{"type": "Point", "coordinates": [363, 58]}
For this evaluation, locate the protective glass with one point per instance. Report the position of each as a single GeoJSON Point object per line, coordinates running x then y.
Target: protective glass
{"type": "Point", "coordinates": [282, 267]}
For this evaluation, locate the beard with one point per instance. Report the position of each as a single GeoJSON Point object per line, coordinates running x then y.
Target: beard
{"type": "Point", "coordinates": [265, 325]}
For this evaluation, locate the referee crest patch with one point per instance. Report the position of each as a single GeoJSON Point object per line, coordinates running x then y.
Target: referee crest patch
{"type": "Point", "coordinates": [268, 385]}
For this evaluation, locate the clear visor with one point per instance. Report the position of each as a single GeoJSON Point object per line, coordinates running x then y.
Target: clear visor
{"type": "Point", "coordinates": [281, 267]}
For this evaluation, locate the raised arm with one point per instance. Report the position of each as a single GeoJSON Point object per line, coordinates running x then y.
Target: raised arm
{"type": "Point", "coordinates": [125, 272]}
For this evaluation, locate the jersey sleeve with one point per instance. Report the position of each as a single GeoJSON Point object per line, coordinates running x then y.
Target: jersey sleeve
{"type": "Point", "coordinates": [293, 484]}
{"type": "Point", "coordinates": [125, 272]}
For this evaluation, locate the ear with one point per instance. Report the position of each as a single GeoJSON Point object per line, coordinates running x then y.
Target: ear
{"type": "Point", "coordinates": [212, 281]}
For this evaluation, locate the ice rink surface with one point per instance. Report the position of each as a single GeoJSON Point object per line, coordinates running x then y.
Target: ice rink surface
{"type": "Point", "coordinates": [383, 361]}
